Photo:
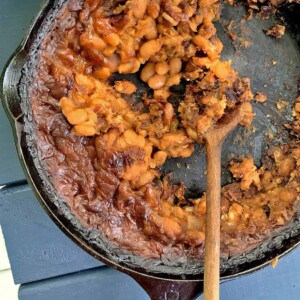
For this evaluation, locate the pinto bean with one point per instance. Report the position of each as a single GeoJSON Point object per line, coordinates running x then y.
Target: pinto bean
{"type": "Point", "coordinates": [162, 68]}
{"type": "Point", "coordinates": [149, 48]}
{"type": "Point", "coordinates": [173, 80]}
{"type": "Point", "coordinates": [148, 71]}
{"type": "Point", "coordinates": [175, 65]}
{"type": "Point", "coordinates": [157, 81]}
{"type": "Point", "coordinates": [77, 116]}
{"type": "Point", "coordinates": [139, 8]}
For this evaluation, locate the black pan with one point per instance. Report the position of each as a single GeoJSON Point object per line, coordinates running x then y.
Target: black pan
{"type": "Point", "coordinates": [166, 279]}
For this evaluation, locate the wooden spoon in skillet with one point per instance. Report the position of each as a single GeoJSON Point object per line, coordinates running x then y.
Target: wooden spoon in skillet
{"type": "Point", "coordinates": [213, 142]}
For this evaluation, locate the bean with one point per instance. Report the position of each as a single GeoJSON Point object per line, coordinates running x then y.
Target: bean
{"type": "Point", "coordinates": [223, 70]}
{"type": "Point", "coordinates": [119, 104]}
{"type": "Point", "coordinates": [173, 80]}
{"type": "Point", "coordinates": [203, 123]}
{"type": "Point", "coordinates": [286, 166]}
{"type": "Point", "coordinates": [246, 110]}
{"type": "Point", "coordinates": [278, 155]}
{"type": "Point", "coordinates": [202, 62]}
{"type": "Point", "coordinates": [92, 116]}
{"type": "Point", "coordinates": [195, 236]}
{"type": "Point", "coordinates": [190, 11]}
{"type": "Point", "coordinates": [134, 139]}
{"type": "Point", "coordinates": [205, 3]}
{"type": "Point", "coordinates": [185, 152]}
{"type": "Point", "coordinates": [178, 212]}
{"type": "Point", "coordinates": [280, 221]}
{"type": "Point", "coordinates": [77, 116]}
{"type": "Point", "coordinates": [172, 138]}
{"type": "Point", "coordinates": [209, 100]}
{"type": "Point", "coordinates": [175, 65]}
{"type": "Point", "coordinates": [67, 56]}
{"type": "Point", "coordinates": [193, 25]}
{"type": "Point", "coordinates": [121, 143]}
{"type": "Point", "coordinates": [150, 48]}
{"type": "Point", "coordinates": [161, 28]}
{"type": "Point", "coordinates": [92, 42]}
{"type": "Point", "coordinates": [109, 51]}
{"type": "Point", "coordinates": [192, 133]}
{"type": "Point", "coordinates": [173, 41]}
{"type": "Point", "coordinates": [160, 157]}
{"type": "Point", "coordinates": [112, 62]}
{"type": "Point", "coordinates": [152, 31]}
{"type": "Point", "coordinates": [199, 19]}
{"type": "Point", "coordinates": [102, 73]}
{"type": "Point", "coordinates": [148, 71]}
{"type": "Point", "coordinates": [171, 228]}
{"type": "Point", "coordinates": [130, 67]}
{"type": "Point", "coordinates": [157, 81]}
{"type": "Point", "coordinates": [136, 65]}
{"type": "Point", "coordinates": [102, 25]}
{"type": "Point", "coordinates": [139, 8]}
{"type": "Point", "coordinates": [67, 105]}
{"type": "Point", "coordinates": [153, 8]}
{"type": "Point", "coordinates": [174, 125]}
{"type": "Point", "coordinates": [84, 130]}
{"type": "Point", "coordinates": [168, 113]}
{"type": "Point", "coordinates": [113, 39]}
{"type": "Point", "coordinates": [166, 209]}
{"type": "Point", "coordinates": [125, 87]}
{"type": "Point", "coordinates": [145, 178]}
{"type": "Point", "coordinates": [112, 136]}
{"type": "Point", "coordinates": [152, 196]}
{"type": "Point", "coordinates": [125, 68]}
{"type": "Point", "coordinates": [164, 94]}
{"type": "Point", "coordinates": [85, 81]}
{"type": "Point", "coordinates": [201, 208]}
{"type": "Point", "coordinates": [162, 68]}
{"type": "Point", "coordinates": [193, 222]}
{"type": "Point", "coordinates": [93, 4]}
{"type": "Point", "coordinates": [129, 117]}
{"type": "Point", "coordinates": [176, 2]}
{"type": "Point", "coordinates": [296, 153]}
{"type": "Point", "coordinates": [287, 195]}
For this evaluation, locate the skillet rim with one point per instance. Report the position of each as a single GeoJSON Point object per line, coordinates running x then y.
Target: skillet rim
{"type": "Point", "coordinates": [9, 90]}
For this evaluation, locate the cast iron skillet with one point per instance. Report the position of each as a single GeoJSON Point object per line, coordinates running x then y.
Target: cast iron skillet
{"type": "Point", "coordinates": [160, 278]}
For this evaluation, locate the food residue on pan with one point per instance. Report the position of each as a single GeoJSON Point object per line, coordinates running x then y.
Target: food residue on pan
{"type": "Point", "coordinates": [281, 104]}
{"type": "Point", "coordinates": [104, 151]}
{"type": "Point", "coordinates": [274, 262]}
{"type": "Point", "coordinates": [277, 31]}
{"type": "Point", "coordinates": [260, 97]}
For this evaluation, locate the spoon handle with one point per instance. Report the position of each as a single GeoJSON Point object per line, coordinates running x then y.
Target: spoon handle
{"type": "Point", "coordinates": [212, 227]}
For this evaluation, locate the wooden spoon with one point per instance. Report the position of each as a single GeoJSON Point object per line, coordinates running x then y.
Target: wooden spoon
{"type": "Point", "coordinates": [213, 142]}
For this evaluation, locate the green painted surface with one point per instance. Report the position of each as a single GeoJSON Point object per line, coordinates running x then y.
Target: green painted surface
{"type": "Point", "coordinates": [15, 18]}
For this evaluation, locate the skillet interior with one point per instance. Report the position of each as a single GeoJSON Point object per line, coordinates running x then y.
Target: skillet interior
{"type": "Point", "coordinates": [254, 62]}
